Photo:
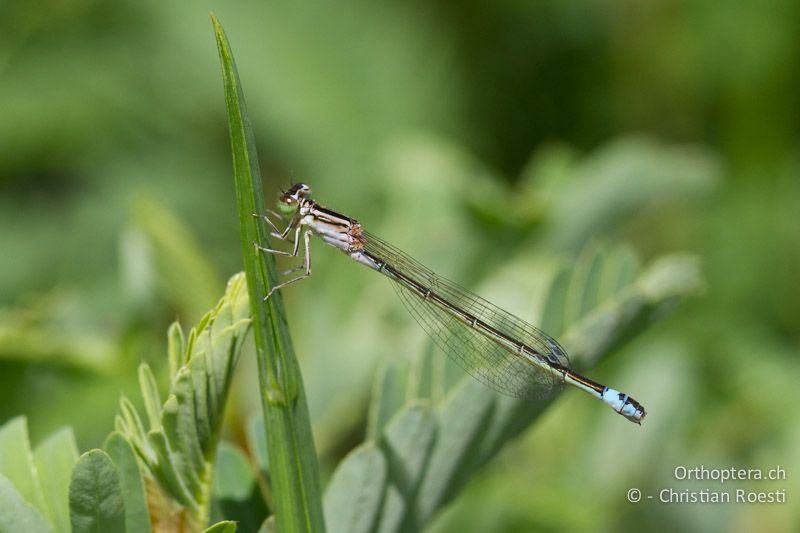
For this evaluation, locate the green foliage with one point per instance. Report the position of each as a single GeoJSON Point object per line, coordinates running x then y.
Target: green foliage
{"type": "Point", "coordinates": [356, 491]}
{"type": "Point", "coordinates": [237, 493]}
{"type": "Point", "coordinates": [185, 274]}
{"type": "Point", "coordinates": [235, 479]}
{"type": "Point", "coordinates": [107, 488]}
{"type": "Point", "coordinates": [95, 495]}
{"type": "Point", "coordinates": [34, 484]}
{"type": "Point", "coordinates": [292, 457]}
{"type": "Point", "coordinates": [16, 514]}
{"type": "Point", "coordinates": [137, 516]}
{"type": "Point", "coordinates": [176, 444]}
{"type": "Point", "coordinates": [621, 178]}
{"type": "Point", "coordinates": [55, 458]}
{"type": "Point", "coordinates": [155, 469]}
{"type": "Point", "coordinates": [427, 452]}
{"type": "Point", "coordinates": [17, 462]}
{"type": "Point", "coordinates": [490, 140]}
{"type": "Point", "coordinates": [40, 332]}
{"type": "Point", "coordinates": [222, 527]}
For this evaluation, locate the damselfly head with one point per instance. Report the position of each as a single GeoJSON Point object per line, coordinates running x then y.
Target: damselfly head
{"type": "Point", "coordinates": [290, 199]}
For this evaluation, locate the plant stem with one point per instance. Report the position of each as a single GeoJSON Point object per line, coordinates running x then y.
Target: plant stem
{"type": "Point", "coordinates": [294, 472]}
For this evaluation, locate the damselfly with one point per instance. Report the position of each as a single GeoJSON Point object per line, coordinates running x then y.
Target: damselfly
{"type": "Point", "coordinates": [502, 351]}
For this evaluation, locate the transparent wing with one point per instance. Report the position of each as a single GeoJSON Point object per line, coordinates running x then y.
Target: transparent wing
{"type": "Point", "coordinates": [480, 355]}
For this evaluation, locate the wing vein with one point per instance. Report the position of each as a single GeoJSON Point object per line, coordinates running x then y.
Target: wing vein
{"type": "Point", "coordinates": [478, 353]}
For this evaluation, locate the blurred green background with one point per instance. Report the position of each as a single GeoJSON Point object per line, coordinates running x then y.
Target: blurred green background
{"type": "Point", "coordinates": [492, 141]}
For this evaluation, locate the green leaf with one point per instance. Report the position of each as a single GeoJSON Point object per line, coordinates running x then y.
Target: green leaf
{"type": "Point", "coordinates": [182, 442]}
{"type": "Point", "coordinates": [237, 495]}
{"type": "Point", "coordinates": [461, 422]}
{"type": "Point", "coordinates": [394, 510]}
{"type": "Point", "coordinates": [257, 442]}
{"type": "Point", "coordinates": [555, 306]}
{"type": "Point", "coordinates": [152, 402]}
{"type": "Point", "coordinates": [293, 463]}
{"type": "Point", "coordinates": [132, 420]}
{"type": "Point", "coordinates": [585, 284]}
{"type": "Point", "coordinates": [622, 177]}
{"type": "Point", "coordinates": [354, 495]}
{"type": "Point", "coordinates": [234, 479]}
{"type": "Point", "coordinates": [16, 514]}
{"type": "Point", "coordinates": [166, 471]}
{"type": "Point", "coordinates": [615, 320]}
{"type": "Point", "coordinates": [427, 379]}
{"type": "Point", "coordinates": [55, 459]}
{"type": "Point", "coordinates": [268, 526]}
{"type": "Point", "coordinates": [178, 450]}
{"type": "Point", "coordinates": [17, 465]}
{"type": "Point", "coordinates": [222, 527]}
{"type": "Point", "coordinates": [388, 396]}
{"type": "Point", "coordinates": [95, 495]}
{"type": "Point", "coordinates": [407, 444]}
{"type": "Point", "coordinates": [176, 348]}
{"type": "Point", "coordinates": [620, 270]}
{"type": "Point", "coordinates": [137, 517]}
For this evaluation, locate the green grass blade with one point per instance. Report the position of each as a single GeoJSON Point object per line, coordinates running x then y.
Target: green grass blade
{"type": "Point", "coordinates": [292, 457]}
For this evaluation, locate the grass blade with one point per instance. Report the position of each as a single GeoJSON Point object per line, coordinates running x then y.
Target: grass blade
{"type": "Point", "coordinates": [292, 457]}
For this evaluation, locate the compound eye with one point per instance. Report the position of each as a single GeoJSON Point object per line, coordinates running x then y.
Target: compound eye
{"type": "Point", "coordinates": [287, 204]}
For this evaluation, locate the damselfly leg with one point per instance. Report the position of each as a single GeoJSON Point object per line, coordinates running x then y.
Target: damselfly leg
{"type": "Point", "coordinates": [276, 232]}
{"type": "Point", "coordinates": [283, 236]}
